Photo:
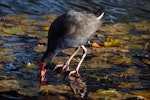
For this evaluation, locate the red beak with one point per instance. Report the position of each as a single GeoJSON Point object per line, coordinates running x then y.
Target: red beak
{"type": "Point", "coordinates": [42, 72]}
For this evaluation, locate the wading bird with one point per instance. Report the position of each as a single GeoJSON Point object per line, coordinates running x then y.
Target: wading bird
{"type": "Point", "coordinates": [71, 29]}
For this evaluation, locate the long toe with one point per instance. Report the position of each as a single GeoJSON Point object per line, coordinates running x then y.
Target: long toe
{"type": "Point", "coordinates": [65, 67]}
{"type": "Point", "coordinates": [74, 72]}
{"type": "Point", "coordinates": [58, 66]}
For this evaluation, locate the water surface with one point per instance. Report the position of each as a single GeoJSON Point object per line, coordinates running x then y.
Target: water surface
{"type": "Point", "coordinates": [116, 10]}
{"type": "Point", "coordinates": [99, 70]}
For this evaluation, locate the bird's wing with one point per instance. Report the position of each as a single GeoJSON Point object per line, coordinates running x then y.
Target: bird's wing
{"type": "Point", "coordinates": [73, 23]}
{"type": "Point", "coordinates": [57, 28]}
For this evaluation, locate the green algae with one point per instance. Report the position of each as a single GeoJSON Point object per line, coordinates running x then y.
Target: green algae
{"type": "Point", "coordinates": [39, 48]}
{"type": "Point", "coordinates": [115, 29]}
{"type": "Point", "coordinates": [17, 31]}
{"type": "Point", "coordinates": [141, 26]}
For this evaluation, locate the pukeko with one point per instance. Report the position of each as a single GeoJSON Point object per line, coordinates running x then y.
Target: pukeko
{"type": "Point", "coordinates": [71, 29]}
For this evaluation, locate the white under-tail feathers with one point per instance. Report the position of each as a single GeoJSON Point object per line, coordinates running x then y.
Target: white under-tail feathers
{"type": "Point", "coordinates": [100, 16]}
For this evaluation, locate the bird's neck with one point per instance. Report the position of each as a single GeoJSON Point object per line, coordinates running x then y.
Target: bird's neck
{"type": "Point", "coordinates": [49, 56]}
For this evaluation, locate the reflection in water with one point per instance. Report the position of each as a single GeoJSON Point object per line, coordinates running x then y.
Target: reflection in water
{"type": "Point", "coordinates": [116, 10]}
{"type": "Point", "coordinates": [77, 85]}
{"type": "Point", "coordinates": [75, 82]}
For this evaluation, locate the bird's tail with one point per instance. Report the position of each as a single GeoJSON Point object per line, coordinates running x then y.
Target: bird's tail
{"type": "Point", "coordinates": [100, 13]}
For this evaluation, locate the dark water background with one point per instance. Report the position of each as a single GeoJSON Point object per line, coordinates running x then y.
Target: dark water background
{"type": "Point", "coordinates": [116, 10]}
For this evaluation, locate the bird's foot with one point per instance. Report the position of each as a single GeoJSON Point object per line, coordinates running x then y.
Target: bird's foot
{"type": "Point", "coordinates": [58, 66]}
{"type": "Point", "coordinates": [74, 72]}
{"type": "Point", "coordinates": [63, 66]}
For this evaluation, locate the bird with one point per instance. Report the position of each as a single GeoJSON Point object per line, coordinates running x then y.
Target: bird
{"type": "Point", "coordinates": [70, 30]}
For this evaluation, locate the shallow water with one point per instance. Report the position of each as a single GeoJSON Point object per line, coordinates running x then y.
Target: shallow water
{"type": "Point", "coordinates": [99, 70]}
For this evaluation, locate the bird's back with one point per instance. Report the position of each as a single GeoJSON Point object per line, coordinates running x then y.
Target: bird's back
{"type": "Point", "coordinates": [73, 28]}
